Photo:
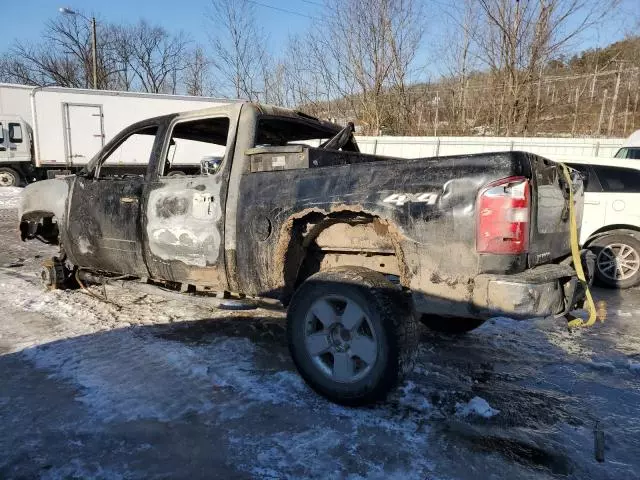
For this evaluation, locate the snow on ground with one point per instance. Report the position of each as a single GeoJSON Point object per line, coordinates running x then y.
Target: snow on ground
{"type": "Point", "coordinates": [10, 197]}
{"type": "Point", "coordinates": [144, 387]}
{"type": "Point", "coordinates": [476, 406]}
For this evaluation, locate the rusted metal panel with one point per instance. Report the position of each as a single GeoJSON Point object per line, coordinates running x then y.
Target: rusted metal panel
{"type": "Point", "coordinates": [362, 237]}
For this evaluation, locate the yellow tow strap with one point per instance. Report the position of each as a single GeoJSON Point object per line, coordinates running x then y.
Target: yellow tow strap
{"type": "Point", "coordinates": [575, 254]}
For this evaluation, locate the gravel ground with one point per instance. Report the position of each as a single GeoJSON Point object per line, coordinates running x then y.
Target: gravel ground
{"type": "Point", "coordinates": [144, 387]}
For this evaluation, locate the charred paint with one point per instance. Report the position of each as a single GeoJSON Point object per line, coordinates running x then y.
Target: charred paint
{"type": "Point", "coordinates": [168, 207]}
{"type": "Point", "coordinates": [181, 224]}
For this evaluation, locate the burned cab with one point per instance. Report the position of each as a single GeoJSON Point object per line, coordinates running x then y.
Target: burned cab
{"type": "Point", "coordinates": [282, 205]}
{"type": "Point", "coordinates": [151, 223]}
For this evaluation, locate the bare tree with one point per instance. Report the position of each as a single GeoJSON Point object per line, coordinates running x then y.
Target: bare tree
{"type": "Point", "coordinates": [156, 57]}
{"type": "Point", "coordinates": [509, 65]}
{"type": "Point", "coordinates": [196, 73]}
{"type": "Point", "coordinates": [366, 49]}
{"type": "Point", "coordinates": [238, 47]}
{"type": "Point", "coordinates": [123, 55]}
{"type": "Point", "coordinates": [406, 32]}
{"type": "Point", "coordinates": [140, 57]}
{"type": "Point", "coordinates": [516, 39]}
{"type": "Point", "coordinates": [299, 79]}
{"type": "Point", "coordinates": [458, 60]}
{"type": "Point", "coordinates": [63, 58]}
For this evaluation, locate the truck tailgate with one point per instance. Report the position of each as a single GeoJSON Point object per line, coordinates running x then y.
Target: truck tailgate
{"type": "Point", "coordinates": [549, 234]}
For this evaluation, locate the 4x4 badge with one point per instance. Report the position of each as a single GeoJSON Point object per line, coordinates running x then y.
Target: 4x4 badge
{"type": "Point", "coordinates": [401, 198]}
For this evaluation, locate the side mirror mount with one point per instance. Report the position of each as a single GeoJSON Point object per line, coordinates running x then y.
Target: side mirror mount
{"type": "Point", "coordinates": [210, 165]}
{"type": "Point", "coordinates": [85, 172]}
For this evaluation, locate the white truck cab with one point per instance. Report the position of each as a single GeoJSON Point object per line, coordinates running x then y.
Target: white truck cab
{"type": "Point", "coordinates": [15, 147]}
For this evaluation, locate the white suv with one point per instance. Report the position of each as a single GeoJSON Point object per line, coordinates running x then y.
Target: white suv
{"type": "Point", "coordinates": [611, 218]}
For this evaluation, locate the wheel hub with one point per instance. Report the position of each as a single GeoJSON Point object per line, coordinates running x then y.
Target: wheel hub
{"type": "Point", "coordinates": [618, 261]}
{"type": "Point", "coordinates": [6, 179]}
{"type": "Point", "coordinates": [339, 337]}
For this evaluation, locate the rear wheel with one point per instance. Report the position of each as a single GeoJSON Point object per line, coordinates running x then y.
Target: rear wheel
{"type": "Point", "coordinates": [351, 334]}
{"type": "Point", "coordinates": [9, 177]}
{"type": "Point", "coordinates": [450, 325]}
{"type": "Point", "coordinates": [617, 260]}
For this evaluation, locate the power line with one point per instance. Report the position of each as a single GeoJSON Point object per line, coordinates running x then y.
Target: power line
{"type": "Point", "coordinates": [284, 10]}
{"type": "Point", "coordinates": [310, 2]}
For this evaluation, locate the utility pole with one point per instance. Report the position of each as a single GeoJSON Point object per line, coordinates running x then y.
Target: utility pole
{"type": "Point", "coordinates": [593, 84]}
{"type": "Point", "coordinates": [575, 112]}
{"type": "Point", "coordinates": [626, 112]}
{"type": "Point", "coordinates": [614, 100]}
{"type": "Point", "coordinates": [94, 48]}
{"type": "Point", "coordinates": [94, 41]}
{"type": "Point", "coordinates": [602, 108]}
{"type": "Point", "coordinates": [435, 123]}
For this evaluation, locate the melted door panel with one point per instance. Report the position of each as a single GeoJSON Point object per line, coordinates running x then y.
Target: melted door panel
{"type": "Point", "coordinates": [103, 227]}
{"type": "Point", "coordinates": [184, 230]}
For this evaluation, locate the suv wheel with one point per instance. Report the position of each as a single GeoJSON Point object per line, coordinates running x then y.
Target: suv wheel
{"type": "Point", "coordinates": [351, 334]}
{"type": "Point", "coordinates": [617, 260]}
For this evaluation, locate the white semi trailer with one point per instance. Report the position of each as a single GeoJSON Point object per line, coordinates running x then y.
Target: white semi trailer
{"type": "Point", "coordinates": [48, 131]}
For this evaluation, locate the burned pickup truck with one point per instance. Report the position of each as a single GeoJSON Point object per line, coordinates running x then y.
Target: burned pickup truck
{"type": "Point", "coordinates": [357, 246]}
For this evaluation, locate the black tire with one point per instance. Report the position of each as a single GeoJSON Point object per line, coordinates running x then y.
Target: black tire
{"type": "Point", "coordinates": [388, 315]}
{"type": "Point", "coordinates": [605, 246]}
{"type": "Point", "coordinates": [450, 325]}
{"type": "Point", "coordinates": [176, 173]}
{"type": "Point", "coordinates": [9, 177]}
{"type": "Point", "coordinates": [53, 274]}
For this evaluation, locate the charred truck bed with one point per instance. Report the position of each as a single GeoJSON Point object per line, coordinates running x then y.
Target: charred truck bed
{"type": "Point", "coordinates": [411, 218]}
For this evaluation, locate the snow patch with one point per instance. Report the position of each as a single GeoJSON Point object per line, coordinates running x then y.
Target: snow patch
{"type": "Point", "coordinates": [414, 397]}
{"type": "Point", "coordinates": [10, 197]}
{"type": "Point", "coordinates": [78, 469]}
{"type": "Point", "coordinates": [230, 363]}
{"type": "Point", "coordinates": [634, 366]}
{"type": "Point", "coordinates": [319, 452]}
{"type": "Point", "coordinates": [122, 375]}
{"type": "Point", "coordinates": [476, 406]}
{"type": "Point", "coordinates": [84, 246]}
{"type": "Point", "coordinates": [129, 375]}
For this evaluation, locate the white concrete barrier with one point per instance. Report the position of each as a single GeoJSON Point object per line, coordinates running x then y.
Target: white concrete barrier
{"type": "Point", "coordinates": [412, 147]}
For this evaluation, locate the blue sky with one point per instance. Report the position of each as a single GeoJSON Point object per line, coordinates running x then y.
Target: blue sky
{"type": "Point", "coordinates": [186, 15]}
{"type": "Point", "coordinates": [189, 16]}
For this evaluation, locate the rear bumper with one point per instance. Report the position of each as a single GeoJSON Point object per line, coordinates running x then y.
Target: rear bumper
{"type": "Point", "coordinates": [542, 291]}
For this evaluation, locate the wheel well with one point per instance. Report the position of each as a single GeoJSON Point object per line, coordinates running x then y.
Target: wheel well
{"type": "Point", "coordinates": [617, 228]}
{"type": "Point", "coordinates": [40, 225]}
{"type": "Point", "coordinates": [319, 241]}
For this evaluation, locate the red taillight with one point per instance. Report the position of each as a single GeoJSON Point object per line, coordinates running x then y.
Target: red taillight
{"type": "Point", "coordinates": [503, 217]}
